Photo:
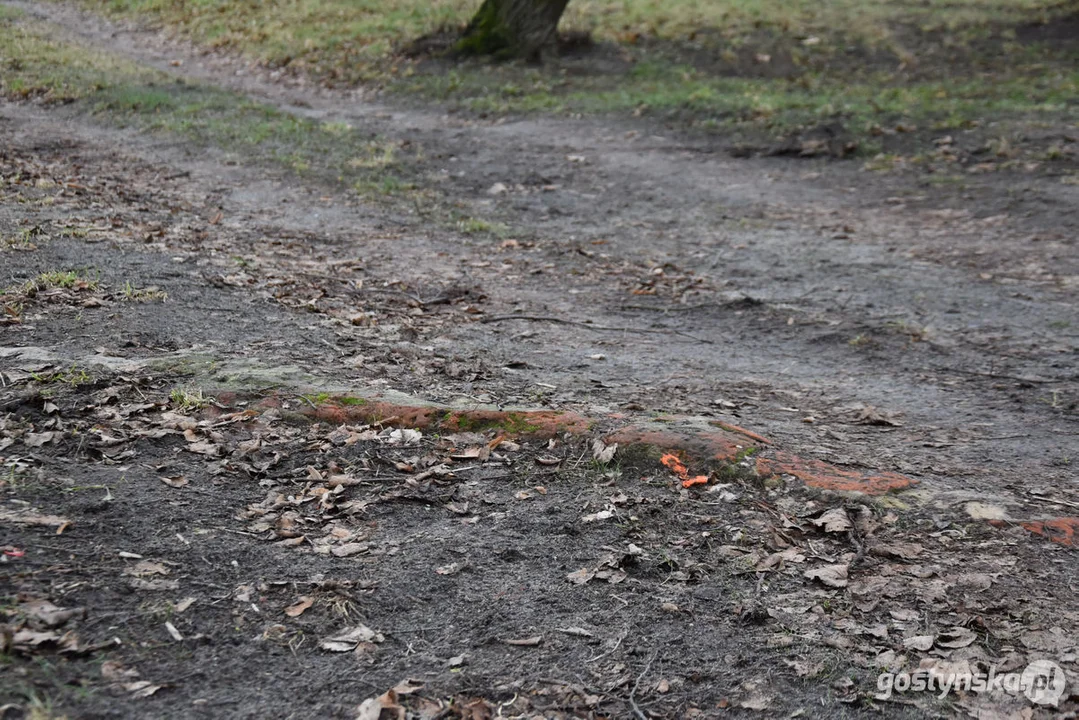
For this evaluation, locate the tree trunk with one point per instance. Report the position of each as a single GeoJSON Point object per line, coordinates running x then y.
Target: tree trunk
{"type": "Point", "coordinates": [512, 28]}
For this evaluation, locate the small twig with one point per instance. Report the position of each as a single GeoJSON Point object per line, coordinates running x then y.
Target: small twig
{"type": "Point", "coordinates": [995, 376]}
{"type": "Point", "coordinates": [633, 703]}
{"type": "Point", "coordinates": [91, 622]}
{"type": "Point", "coordinates": [616, 645]}
{"type": "Point", "coordinates": [577, 323]}
{"type": "Point", "coordinates": [238, 532]}
{"type": "Point", "coordinates": [1054, 501]}
{"type": "Point", "coordinates": [336, 348]}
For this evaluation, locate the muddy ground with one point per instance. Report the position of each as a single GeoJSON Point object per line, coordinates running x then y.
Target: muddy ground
{"type": "Point", "coordinates": [191, 467]}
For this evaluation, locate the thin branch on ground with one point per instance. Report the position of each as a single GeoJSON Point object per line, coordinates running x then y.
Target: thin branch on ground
{"type": "Point", "coordinates": [994, 376]}
{"type": "Point", "coordinates": [636, 684]}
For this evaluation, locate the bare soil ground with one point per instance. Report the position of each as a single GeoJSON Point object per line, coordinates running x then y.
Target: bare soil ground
{"type": "Point", "coordinates": [182, 539]}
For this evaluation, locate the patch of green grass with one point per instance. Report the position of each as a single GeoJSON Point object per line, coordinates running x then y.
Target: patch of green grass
{"type": "Point", "coordinates": [477, 226]}
{"type": "Point", "coordinates": [774, 106]}
{"type": "Point", "coordinates": [387, 186]}
{"type": "Point", "coordinates": [325, 398]}
{"type": "Point", "coordinates": [514, 423]}
{"type": "Point", "coordinates": [939, 180]}
{"type": "Point", "coordinates": [63, 279]}
{"type": "Point", "coordinates": [252, 130]}
{"type": "Point", "coordinates": [374, 155]}
{"type": "Point", "coordinates": [860, 340]}
{"type": "Point", "coordinates": [22, 240]}
{"type": "Point", "coordinates": [33, 64]}
{"type": "Point", "coordinates": [131, 293]}
{"type": "Point", "coordinates": [40, 707]}
{"type": "Point", "coordinates": [73, 376]}
{"type": "Point", "coordinates": [186, 399]}
{"type": "Point", "coordinates": [517, 425]}
{"type": "Point", "coordinates": [352, 40]}
{"type": "Point", "coordinates": [128, 95]}
{"type": "Point", "coordinates": [751, 68]}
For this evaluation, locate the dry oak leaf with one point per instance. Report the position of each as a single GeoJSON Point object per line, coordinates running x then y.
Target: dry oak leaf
{"type": "Point", "coordinates": [349, 639]}
{"type": "Point", "coordinates": [830, 575]}
{"type": "Point", "coordinates": [834, 520]}
{"type": "Point", "coordinates": [956, 637]}
{"type": "Point", "coordinates": [919, 642]}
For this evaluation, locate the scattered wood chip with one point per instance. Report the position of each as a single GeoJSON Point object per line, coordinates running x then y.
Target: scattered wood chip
{"type": "Point", "coordinates": [173, 632]}
{"type": "Point", "coordinates": [526, 642]}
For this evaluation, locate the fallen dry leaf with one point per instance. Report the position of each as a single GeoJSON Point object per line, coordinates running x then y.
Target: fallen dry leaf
{"type": "Point", "coordinates": [903, 551]}
{"type": "Point", "coordinates": [183, 604]}
{"type": "Point", "coordinates": [956, 637]}
{"type": "Point", "coordinates": [115, 671]}
{"type": "Point", "coordinates": [834, 520]}
{"type": "Point", "coordinates": [804, 668]}
{"type": "Point", "coordinates": [350, 549]}
{"type": "Point", "coordinates": [451, 569]}
{"type": "Point", "coordinates": [141, 688]}
{"type": "Point", "coordinates": [756, 701]}
{"type": "Point", "coordinates": [144, 568]}
{"type": "Point", "coordinates": [347, 640]}
{"type": "Point", "coordinates": [831, 575]}
{"type": "Point", "coordinates": [43, 613]}
{"type": "Point", "coordinates": [601, 515]}
{"type": "Point", "coordinates": [603, 453]}
{"type": "Point", "coordinates": [580, 577]}
{"type": "Point", "coordinates": [176, 481]}
{"type": "Point", "coordinates": [32, 638]}
{"type": "Point", "coordinates": [919, 642]}
{"type": "Point", "coordinates": [300, 606]}
{"type": "Point", "coordinates": [155, 584]}
{"type": "Point", "coordinates": [870, 415]}
{"type": "Point", "coordinates": [208, 449]}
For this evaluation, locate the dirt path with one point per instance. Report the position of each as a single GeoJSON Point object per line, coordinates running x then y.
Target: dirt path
{"type": "Point", "coordinates": [861, 320]}
{"type": "Point", "coordinates": [946, 293]}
